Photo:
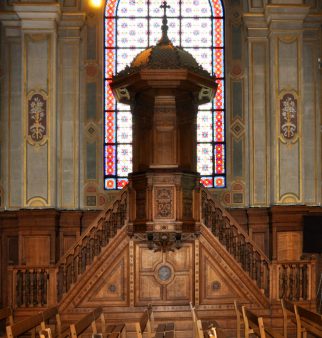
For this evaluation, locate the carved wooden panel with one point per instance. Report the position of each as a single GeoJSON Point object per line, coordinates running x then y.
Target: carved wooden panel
{"type": "Point", "coordinates": [163, 278]}
{"type": "Point", "coordinates": [35, 250]}
{"type": "Point", "coordinates": [112, 287]}
{"type": "Point", "coordinates": [289, 245]}
{"type": "Point", "coordinates": [215, 285]}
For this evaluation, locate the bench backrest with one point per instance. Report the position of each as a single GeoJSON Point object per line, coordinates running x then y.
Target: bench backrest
{"type": "Point", "coordinates": [23, 326]}
{"type": "Point", "coordinates": [144, 325]}
{"type": "Point", "coordinates": [7, 314]}
{"type": "Point", "coordinates": [309, 321]}
{"type": "Point", "coordinates": [87, 321]}
{"type": "Point", "coordinates": [239, 313]}
{"type": "Point", "coordinates": [255, 325]}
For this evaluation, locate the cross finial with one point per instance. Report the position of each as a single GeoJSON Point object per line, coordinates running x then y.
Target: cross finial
{"type": "Point", "coordinates": [164, 6]}
{"type": "Point", "coordinates": [164, 39]}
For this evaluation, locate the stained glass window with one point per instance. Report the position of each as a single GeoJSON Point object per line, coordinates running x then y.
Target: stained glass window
{"type": "Point", "coordinates": [197, 26]}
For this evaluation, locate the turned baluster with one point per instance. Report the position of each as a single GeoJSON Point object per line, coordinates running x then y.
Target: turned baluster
{"type": "Point", "coordinates": [19, 288]}
{"type": "Point", "coordinates": [305, 282]}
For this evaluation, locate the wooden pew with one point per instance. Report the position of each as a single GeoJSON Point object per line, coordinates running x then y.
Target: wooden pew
{"type": "Point", "coordinates": [165, 330]}
{"type": "Point", "coordinates": [90, 321]}
{"type": "Point", "coordinates": [239, 314]}
{"type": "Point", "coordinates": [205, 328]}
{"type": "Point", "coordinates": [7, 314]}
{"type": "Point", "coordinates": [255, 325]}
{"type": "Point", "coordinates": [52, 313]}
{"type": "Point", "coordinates": [309, 321]}
{"type": "Point", "coordinates": [23, 326]}
{"type": "Point", "coordinates": [145, 324]}
{"type": "Point", "coordinates": [39, 322]}
{"type": "Point", "coordinates": [290, 315]}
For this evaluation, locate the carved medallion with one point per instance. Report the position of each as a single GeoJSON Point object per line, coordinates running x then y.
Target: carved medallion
{"type": "Point", "coordinates": [288, 116]}
{"type": "Point", "coordinates": [164, 273]}
{"type": "Point", "coordinates": [37, 117]}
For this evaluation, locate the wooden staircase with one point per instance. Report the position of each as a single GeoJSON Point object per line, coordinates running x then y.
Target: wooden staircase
{"type": "Point", "coordinates": [105, 268]}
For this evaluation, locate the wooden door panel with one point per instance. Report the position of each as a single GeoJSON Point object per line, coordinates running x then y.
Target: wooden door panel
{"type": "Point", "coordinates": [163, 278]}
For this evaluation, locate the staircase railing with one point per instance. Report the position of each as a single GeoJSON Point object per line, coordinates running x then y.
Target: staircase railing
{"type": "Point", "coordinates": [237, 242]}
{"type": "Point", "coordinates": [90, 244]}
{"type": "Point", "coordinates": [295, 280]}
{"type": "Point", "coordinates": [30, 286]}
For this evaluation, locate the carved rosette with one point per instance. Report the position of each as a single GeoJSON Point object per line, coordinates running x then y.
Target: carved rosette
{"type": "Point", "coordinates": [288, 117]}
{"type": "Point", "coordinates": [37, 117]}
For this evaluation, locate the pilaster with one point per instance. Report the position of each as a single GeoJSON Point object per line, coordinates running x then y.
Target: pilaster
{"type": "Point", "coordinates": [68, 110]}
{"type": "Point", "coordinates": [38, 102]}
{"type": "Point", "coordinates": [285, 22]}
{"type": "Point", "coordinates": [258, 103]}
{"type": "Point", "coordinates": [10, 119]}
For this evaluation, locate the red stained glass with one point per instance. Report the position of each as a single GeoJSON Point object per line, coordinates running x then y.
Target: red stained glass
{"type": "Point", "coordinates": [110, 183]}
{"type": "Point", "coordinates": [110, 8]}
{"type": "Point", "coordinates": [218, 33]}
{"type": "Point", "coordinates": [219, 159]}
{"type": "Point", "coordinates": [109, 160]}
{"type": "Point", "coordinates": [219, 126]}
{"type": "Point", "coordinates": [208, 182]}
{"type": "Point", "coordinates": [109, 98]}
{"type": "Point", "coordinates": [218, 10]}
{"type": "Point", "coordinates": [109, 127]}
{"type": "Point", "coordinates": [219, 63]}
{"type": "Point", "coordinates": [220, 99]}
{"type": "Point", "coordinates": [121, 183]}
{"type": "Point", "coordinates": [220, 182]}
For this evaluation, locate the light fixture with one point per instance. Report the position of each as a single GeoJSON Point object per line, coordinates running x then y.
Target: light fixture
{"type": "Point", "coordinates": [95, 3]}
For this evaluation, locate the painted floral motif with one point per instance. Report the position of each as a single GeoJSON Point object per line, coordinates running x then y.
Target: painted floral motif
{"type": "Point", "coordinates": [288, 117]}
{"type": "Point", "coordinates": [37, 117]}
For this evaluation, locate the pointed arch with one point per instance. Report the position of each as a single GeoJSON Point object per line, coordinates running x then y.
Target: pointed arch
{"type": "Point", "coordinates": [133, 25]}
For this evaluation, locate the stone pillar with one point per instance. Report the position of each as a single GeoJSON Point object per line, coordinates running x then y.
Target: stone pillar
{"type": "Point", "coordinates": [37, 105]}
{"type": "Point", "coordinates": [68, 110]}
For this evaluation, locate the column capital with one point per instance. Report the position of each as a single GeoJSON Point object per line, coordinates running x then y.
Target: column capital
{"type": "Point", "coordinates": [71, 24]}
{"type": "Point", "coordinates": [38, 15]}
{"type": "Point", "coordinates": [285, 16]}
{"type": "Point", "coordinates": [11, 23]}
{"type": "Point", "coordinates": [256, 25]}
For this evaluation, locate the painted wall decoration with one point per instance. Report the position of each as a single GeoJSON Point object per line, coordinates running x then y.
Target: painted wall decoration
{"type": "Point", "coordinates": [37, 117]}
{"type": "Point", "coordinates": [288, 116]}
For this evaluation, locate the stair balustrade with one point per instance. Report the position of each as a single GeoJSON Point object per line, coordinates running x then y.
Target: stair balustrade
{"type": "Point", "coordinates": [237, 242]}
{"type": "Point", "coordinates": [31, 285]}
{"type": "Point", "coordinates": [90, 244]}
{"type": "Point", "coordinates": [294, 280]}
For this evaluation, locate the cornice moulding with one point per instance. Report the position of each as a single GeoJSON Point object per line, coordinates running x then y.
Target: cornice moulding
{"type": "Point", "coordinates": [72, 20]}
{"type": "Point", "coordinates": [38, 11]}
{"type": "Point", "coordinates": [286, 12]}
